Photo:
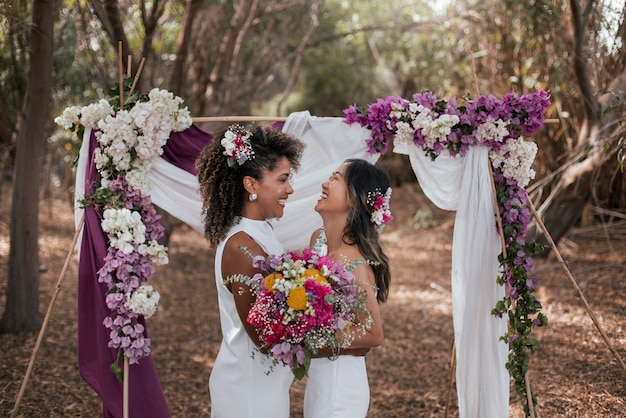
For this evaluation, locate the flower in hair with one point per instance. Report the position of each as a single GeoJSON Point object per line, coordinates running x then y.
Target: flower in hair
{"type": "Point", "coordinates": [237, 147]}
{"type": "Point", "coordinates": [381, 214]}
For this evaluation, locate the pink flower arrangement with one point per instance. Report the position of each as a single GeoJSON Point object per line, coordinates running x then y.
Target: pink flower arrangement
{"type": "Point", "coordinates": [437, 126]}
{"type": "Point", "coordinates": [127, 267]}
{"type": "Point", "coordinates": [304, 302]}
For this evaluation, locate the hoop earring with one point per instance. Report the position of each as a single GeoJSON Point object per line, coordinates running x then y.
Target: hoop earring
{"type": "Point", "coordinates": [253, 197]}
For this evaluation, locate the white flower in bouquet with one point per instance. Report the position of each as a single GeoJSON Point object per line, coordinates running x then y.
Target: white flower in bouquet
{"type": "Point", "coordinates": [116, 137]}
{"type": "Point", "coordinates": [154, 130]}
{"type": "Point", "coordinates": [416, 108]}
{"type": "Point", "coordinates": [143, 301]}
{"type": "Point", "coordinates": [94, 113]}
{"type": "Point", "coordinates": [397, 111]}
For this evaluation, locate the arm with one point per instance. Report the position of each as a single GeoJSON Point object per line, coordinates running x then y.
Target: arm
{"type": "Point", "coordinates": [374, 336]}
{"type": "Point", "coordinates": [363, 343]}
{"type": "Point", "coordinates": [235, 261]}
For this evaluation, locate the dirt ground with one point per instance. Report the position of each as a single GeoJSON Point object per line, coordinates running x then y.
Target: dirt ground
{"type": "Point", "coordinates": [574, 372]}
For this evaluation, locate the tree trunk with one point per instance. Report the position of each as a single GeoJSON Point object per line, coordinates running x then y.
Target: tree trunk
{"type": "Point", "coordinates": [596, 134]}
{"type": "Point", "coordinates": [577, 182]}
{"type": "Point", "coordinates": [182, 46]}
{"type": "Point", "coordinates": [22, 307]}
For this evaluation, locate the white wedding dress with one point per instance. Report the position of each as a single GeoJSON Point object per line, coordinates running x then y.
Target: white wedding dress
{"type": "Point", "coordinates": [241, 385]}
{"type": "Point", "coordinates": [336, 388]}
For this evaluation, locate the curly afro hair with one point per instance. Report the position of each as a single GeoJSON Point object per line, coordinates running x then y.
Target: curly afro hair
{"type": "Point", "coordinates": [221, 185]}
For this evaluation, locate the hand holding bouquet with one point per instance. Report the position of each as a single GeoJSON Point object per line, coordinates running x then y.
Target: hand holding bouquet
{"type": "Point", "coordinates": [305, 302]}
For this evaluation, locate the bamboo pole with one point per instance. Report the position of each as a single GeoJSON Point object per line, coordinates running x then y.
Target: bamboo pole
{"type": "Point", "coordinates": [248, 118]}
{"type": "Point", "coordinates": [451, 379]}
{"type": "Point", "coordinates": [136, 79]}
{"type": "Point", "coordinates": [121, 73]}
{"type": "Point", "coordinates": [44, 325]}
{"type": "Point", "coordinates": [573, 281]}
{"type": "Point", "coordinates": [199, 119]}
{"type": "Point", "coordinates": [497, 208]}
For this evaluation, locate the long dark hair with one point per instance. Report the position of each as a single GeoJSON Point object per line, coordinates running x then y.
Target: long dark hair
{"type": "Point", "coordinates": [362, 179]}
{"type": "Point", "coordinates": [221, 185]}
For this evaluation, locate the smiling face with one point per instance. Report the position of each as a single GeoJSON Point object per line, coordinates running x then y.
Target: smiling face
{"type": "Point", "coordinates": [334, 197]}
{"type": "Point", "coordinates": [272, 191]}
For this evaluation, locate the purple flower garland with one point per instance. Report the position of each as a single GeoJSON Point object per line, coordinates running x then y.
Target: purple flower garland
{"type": "Point", "coordinates": [124, 272]}
{"type": "Point", "coordinates": [437, 125]}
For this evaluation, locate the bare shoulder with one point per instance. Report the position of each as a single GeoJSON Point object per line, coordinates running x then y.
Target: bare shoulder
{"type": "Point", "coordinates": [351, 255]}
{"type": "Point", "coordinates": [237, 261]}
{"type": "Point", "coordinates": [314, 236]}
{"type": "Point", "coordinates": [241, 239]}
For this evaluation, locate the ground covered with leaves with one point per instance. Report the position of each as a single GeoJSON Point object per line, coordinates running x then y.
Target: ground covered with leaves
{"type": "Point", "coordinates": [574, 372]}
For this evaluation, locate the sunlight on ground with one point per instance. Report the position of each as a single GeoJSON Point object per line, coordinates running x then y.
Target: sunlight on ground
{"type": "Point", "coordinates": [205, 360]}
{"type": "Point", "coordinates": [436, 299]}
{"type": "Point", "coordinates": [4, 246]}
{"type": "Point", "coordinates": [568, 315]}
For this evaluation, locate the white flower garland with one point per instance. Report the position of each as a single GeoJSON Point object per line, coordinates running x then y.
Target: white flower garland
{"type": "Point", "coordinates": [129, 141]}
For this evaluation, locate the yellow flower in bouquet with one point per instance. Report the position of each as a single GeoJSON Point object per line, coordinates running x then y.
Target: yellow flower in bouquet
{"type": "Point", "coordinates": [270, 279]}
{"type": "Point", "coordinates": [297, 299]}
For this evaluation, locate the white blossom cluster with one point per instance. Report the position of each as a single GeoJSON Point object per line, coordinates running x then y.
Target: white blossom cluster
{"type": "Point", "coordinates": [492, 130]}
{"type": "Point", "coordinates": [404, 133]}
{"type": "Point", "coordinates": [155, 251]}
{"type": "Point", "coordinates": [437, 129]}
{"type": "Point", "coordinates": [124, 227]}
{"type": "Point", "coordinates": [515, 158]}
{"type": "Point", "coordinates": [418, 117]}
{"type": "Point", "coordinates": [165, 103]}
{"type": "Point", "coordinates": [126, 232]}
{"type": "Point", "coordinates": [131, 140]}
{"type": "Point", "coordinates": [88, 116]}
{"type": "Point", "coordinates": [143, 301]}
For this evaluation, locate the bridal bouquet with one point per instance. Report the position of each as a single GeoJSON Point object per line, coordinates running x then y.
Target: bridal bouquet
{"type": "Point", "coordinates": [304, 302]}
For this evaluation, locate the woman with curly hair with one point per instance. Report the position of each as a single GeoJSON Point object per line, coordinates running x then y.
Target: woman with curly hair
{"type": "Point", "coordinates": [244, 181]}
{"type": "Point", "coordinates": [354, 205]}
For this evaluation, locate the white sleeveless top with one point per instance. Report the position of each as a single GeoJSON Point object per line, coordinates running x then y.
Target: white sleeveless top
{"type": "Point", "coordinates": [241, 384]}
{"type": "Point", "coordinates": [336, 388]}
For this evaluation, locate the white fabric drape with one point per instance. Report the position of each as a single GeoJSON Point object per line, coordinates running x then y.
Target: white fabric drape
{"type": "Point", "coordinates": [79, 186]}
{"type": "Point", "coordinates": [461, 184]}
{"type": "Point", "coordinates": [177, 192]}
{"type": "Point", "coordinates": [464, 185]}
{"type": "Point", "coordinates": [329, 141]}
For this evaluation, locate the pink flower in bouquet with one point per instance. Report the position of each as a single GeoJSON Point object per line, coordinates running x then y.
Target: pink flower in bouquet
{"type": "Point", "coordinates": [302, 301]}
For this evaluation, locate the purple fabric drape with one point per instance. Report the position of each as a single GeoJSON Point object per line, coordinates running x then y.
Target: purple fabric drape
{"type": "Point", "coordinates": [183, 148]}
{"type": "Point", "coordinates": [146, 397]}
